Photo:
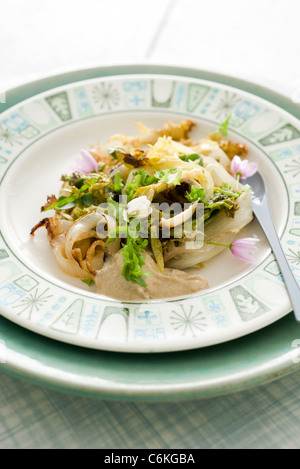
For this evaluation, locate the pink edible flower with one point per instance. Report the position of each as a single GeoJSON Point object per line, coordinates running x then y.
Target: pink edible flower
{"type": "Point", "coordinates": [244, 249]}
{"type": "Point", "coordinates": [85, 165]}
{"type": "Point", "coordinates": [243, 168]}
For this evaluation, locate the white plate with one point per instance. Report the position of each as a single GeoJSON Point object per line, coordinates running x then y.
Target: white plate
{"type": "Point", "coordinates": [39, 139]}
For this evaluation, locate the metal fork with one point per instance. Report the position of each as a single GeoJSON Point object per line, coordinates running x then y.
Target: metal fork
{"type": "Point", "coordinates": [262, 212]}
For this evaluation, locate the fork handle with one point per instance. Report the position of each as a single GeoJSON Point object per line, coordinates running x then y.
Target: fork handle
{"type": "Point", "coordinates": [264, 216]}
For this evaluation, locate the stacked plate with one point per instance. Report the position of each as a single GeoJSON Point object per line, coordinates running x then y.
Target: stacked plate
{"type": "Point", "coordinates": [56, 330]}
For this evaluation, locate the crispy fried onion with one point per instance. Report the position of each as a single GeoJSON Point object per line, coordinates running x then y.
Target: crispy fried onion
{"type": "Point", "coordinates": [51, 199]}
{"type": "Point", "coordinates": [76, 246]}
{"type": "Point", "coordinates": [94, 258]}
{"type": "Point", "coordinates": [82, 242]}
{"type": "Point", "coordinates": [68, 266]}
{"type": "Point", "coordinates": [134, 159]}
{"type": "Point", "coordinates": [53, 225]}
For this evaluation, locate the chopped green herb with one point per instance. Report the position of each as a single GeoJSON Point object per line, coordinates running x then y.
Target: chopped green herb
{"type": "Point", "coordinates": [223, 199]}
{"type": "Point", "coordinates": [226, 190]}
{"type": "Point", "coordinates": [141, 179]}
{"type": "Point", "coordinates": [196, 194]}
{"type": "Point", "coordinates": [145, 179]}
{"type": "Point", "coordinates": [223, 128]}
{"type": "Point", "coordinates": [113, 152]}
{"type": "Point", "coordinates": [63, 201]}
{"type": "Point", "coordinates": [88, 281]}
{"type": "Point", "coordinates": [87, 199]}
{"type": "Point", "coordinates": [165, 175]}
{"type": "Point", "coordinates": [78, 180]}
{"type": "Point", "coordinates": [193, 157]}
{"type": "Point", "coordinates": [66, 206]}
{"type": "Point", "coordinates": [176, 181]}
{"type": "Point", "coordinates": [118, 183]}
{"type": "Point", "coordinates": [134, 260]}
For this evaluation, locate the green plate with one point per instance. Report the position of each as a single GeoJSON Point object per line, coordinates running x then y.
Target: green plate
{"type": "Point", "coordinates": [245, 362]}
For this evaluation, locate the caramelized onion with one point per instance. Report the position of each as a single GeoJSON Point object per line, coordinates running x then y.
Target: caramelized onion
{"type": "Point", "coordinates": [68, 266]}
{"type": "Point", "coordinates": [82, 225]}
{"type": "Point", "coordinates": [95, 256]}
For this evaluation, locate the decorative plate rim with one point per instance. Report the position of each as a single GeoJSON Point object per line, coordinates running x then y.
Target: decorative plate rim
{"type": "Point", "coordinates": [150, 346]}
{"type": "Point", "coordinates": [16, 360]}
